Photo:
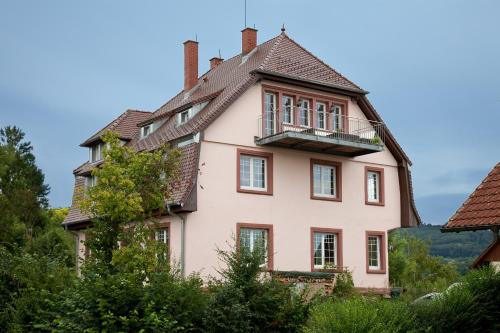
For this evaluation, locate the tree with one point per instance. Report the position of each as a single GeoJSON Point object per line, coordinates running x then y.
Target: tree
{"type": "Point", "coordinates": [23, 193]}
{"type": "Point", "coordinates": [131, 187]}
{"type": "Point", "coordinates": [411, 266]}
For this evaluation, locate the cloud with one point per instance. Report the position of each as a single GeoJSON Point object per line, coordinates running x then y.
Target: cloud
{"type": "Point", "coordinates": [437, 209]}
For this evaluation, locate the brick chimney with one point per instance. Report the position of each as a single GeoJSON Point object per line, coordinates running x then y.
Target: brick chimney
{"type": "Point", "coordinates": [215, 61]}
{"type": "Point", "coordinates": [248, 40]}
{"type": "Point", "coordinates": [190, 64]}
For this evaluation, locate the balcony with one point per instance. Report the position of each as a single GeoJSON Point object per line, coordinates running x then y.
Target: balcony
{"type": "Point", "coordinates": [321, 132]}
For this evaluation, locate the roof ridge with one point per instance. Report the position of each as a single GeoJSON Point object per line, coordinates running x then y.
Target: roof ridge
{"type": "Point", "coordinates": [278, 40]}
{"type": "Point", "coordinates": [321, 61]}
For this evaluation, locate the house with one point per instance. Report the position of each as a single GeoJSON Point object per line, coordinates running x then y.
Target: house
{"type": "Point", "coordinates": [481, 211]}
{"type": "Point", "coordinates": [278, 150]}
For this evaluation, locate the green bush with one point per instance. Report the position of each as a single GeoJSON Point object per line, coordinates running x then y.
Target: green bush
{"type": "Point", "coordinates": [471, 306]}
{"type": "Point", "coordinates": [247, 301]}
{"type": "Point", "coordinates": [360, 314]}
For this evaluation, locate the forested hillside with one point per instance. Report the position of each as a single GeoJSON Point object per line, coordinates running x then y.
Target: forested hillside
{"type": "Point", "coordinates": [460, 248]}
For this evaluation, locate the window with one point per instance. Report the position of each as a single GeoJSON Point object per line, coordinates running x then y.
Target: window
{"type": "Point", "coordinates": [326, 247]}
{"type": "Point", "coordinates": [90, 181]}
{"type": "Point", "coordinates": [375, 252]}
{"type": "Point", "coordinates": [254, 172]}
{"type": "Point", "coordinates": [161, 235]}
{"type": "Point", "coordinates": [185, 115]}
{"type": "Point", "coordinates": [269, 113]}
{"type": "Point", "coordinates": [325, 180]}
{"type": "Point", "coordinates": [256, 237]}
{"type": "Point", "coordinates": [96, 152]}
{"type": "Point", "coordinates": [304, 112]}
{"type": "Point", "coordinates": [321, 115]}
{"type": "Point", "coordinates": [146, 130]}
{"type": "Point", "coordinates": [374, 186]}
{"type": "Point", "coordinates": [337, 118]}
{"type": "Point", "coordinates": [287, 109]}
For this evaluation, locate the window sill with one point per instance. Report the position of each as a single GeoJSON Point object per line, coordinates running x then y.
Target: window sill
{"type": "Point", "coordinates": [266, 192]}
{"type": "Point", "coordinates": [315, 197]}
{"type": "Point", "coordinates": [374, 203]}
{"type": "Point", "coordinates": [375, 271]}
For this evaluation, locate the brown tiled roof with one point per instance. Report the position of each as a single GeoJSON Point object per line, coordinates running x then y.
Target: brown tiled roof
{"type": "Point", "coordinates": [482, 209]}
{"type": "Point", "coordinates": [125, 125]}
{"type": "Point", "coordinates": [74, 214]}
{"type": "Point", "coordinates": [224, 83]}
{"type": "Point", "coordinates": [187, 177]}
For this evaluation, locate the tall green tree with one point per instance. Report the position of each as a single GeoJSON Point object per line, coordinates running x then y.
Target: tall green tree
{"type": "Point", "coordinates": [23, 193]}
{"type": "Point", "coordinates": [131, 187]}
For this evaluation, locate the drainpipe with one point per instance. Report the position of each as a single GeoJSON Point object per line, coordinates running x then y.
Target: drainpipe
{"type": "Point", "coordinates": [183, 236]}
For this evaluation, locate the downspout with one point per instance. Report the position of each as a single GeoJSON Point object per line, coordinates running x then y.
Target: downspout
{"type": "Point", "coordinates": [183, 237]}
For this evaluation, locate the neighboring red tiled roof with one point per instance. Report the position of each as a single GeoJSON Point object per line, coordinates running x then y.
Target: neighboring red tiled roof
{"type": "Point", "coordinates": [482, 209]}
{"type": "Point", "coordinates": [125, 125]}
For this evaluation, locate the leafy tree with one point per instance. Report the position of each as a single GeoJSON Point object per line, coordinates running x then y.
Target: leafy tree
{"type": "Point", "coordinates": [411, 266]}
{"type": "Point", "coordinates": [131, 186]}
{"type": "Point", "coordinates": [23, 194]}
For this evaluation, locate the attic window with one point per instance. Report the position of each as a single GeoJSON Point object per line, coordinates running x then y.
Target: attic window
{"type": "Point", "coordinates": [146, 130]}
{"type": "Point", "coordinates": [185, 115]}
{"type": "Point", "coordinates": [95, 152]}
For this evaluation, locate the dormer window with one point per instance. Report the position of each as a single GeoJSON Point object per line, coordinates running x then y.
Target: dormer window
{"type": "Point", "coordinates": [185, 115]}
{"type": "Point", "coordinates": [90, 181]}
{"type": "Point", "coordinates": [146, 130]}
{"type": "Point", "coordinates": [95, 152]}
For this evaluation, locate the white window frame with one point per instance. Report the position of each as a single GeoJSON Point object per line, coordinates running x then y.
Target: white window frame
{"type": "Point", "coordinates": [337, 123]}
{"type": "Point", "coordinates": [90, 181]}
{"type": "Point", "coordinates": [251, 171]}
{"type": "Point", "coordinates": [251, 244]}
{"type": "Point", "coordinates": [188, 112]}
{"type": "Point", "coordinates": [99, 148]}
{"type": "Point", "coordinates": [165, 238]}
{"type": "Point", "coordinates": [335, 246]}
{"type": "Point", "coordinates": [269, 116]}
{"type": "Point", "coordinates": [147, 130]}
{"type": "Point", "coordinates": [283, 108]}
{"type": "Point", "coordinates": [323, 168]}
{"type": "Point", "coordinates": [308, 113]}
{"type": "Point", "coordinates": [378, 254]}
{"type": "Point", "coordinates": [323, 113]}
{"type": "Point", "coordinates": [373, 186]}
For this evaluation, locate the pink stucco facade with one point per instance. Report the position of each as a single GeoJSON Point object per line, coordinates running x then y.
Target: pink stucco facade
{"type": "Point", "coordinates": [289, 209]}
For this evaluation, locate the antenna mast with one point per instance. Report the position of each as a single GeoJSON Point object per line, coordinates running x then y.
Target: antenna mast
{"type": "Point", "coordinates": [245, 13]}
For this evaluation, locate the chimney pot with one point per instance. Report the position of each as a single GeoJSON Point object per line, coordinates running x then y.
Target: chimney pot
{"type": "Point", "coordinates": [215, 61]}
{"type": "Point", "coordinates": [190, 64]}
{"type": "Point", "coordinates": [248, 40]}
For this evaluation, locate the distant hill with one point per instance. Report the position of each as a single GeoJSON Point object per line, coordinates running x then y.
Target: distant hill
{"type": "Point", "coordinates": [461, 248]}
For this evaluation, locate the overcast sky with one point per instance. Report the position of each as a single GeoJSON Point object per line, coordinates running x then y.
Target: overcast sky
{"type": "Point", "coordinates": [67, 68]}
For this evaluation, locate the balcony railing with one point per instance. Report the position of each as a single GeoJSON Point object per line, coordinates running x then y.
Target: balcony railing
{"type": "Point", "coordinates": [313, 130]}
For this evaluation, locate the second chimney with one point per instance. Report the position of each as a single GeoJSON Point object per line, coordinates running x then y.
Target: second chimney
{"type": "Point", "coordinates": [190, 64]}
{"type": "Point", "coordinates": [248, 40]}
{"type": "Point", "coordinates": [215, 61]}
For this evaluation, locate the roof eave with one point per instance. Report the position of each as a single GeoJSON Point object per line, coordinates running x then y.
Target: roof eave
{"type": "Point", "coordinates": [470, 228]}
{"type": "Point", "coordinates": [315, 84]}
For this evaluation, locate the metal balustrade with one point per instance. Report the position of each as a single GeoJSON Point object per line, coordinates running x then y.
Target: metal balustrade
{"type": "Point", "coordinates": [297, 127]}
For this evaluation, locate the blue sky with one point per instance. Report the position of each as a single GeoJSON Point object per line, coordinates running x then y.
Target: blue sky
{"type": "Point", "coordinates": [67, 68]}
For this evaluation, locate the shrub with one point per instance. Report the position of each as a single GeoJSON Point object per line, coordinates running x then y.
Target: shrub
{"type": "Point", "coordinates": [245, 301]}
{"type": "Point", "coordinates": [471, 306]}
{"type": "Point", "coordinates": [360, 314]}
{"type": "Point", "coordinates": [344, 285]}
